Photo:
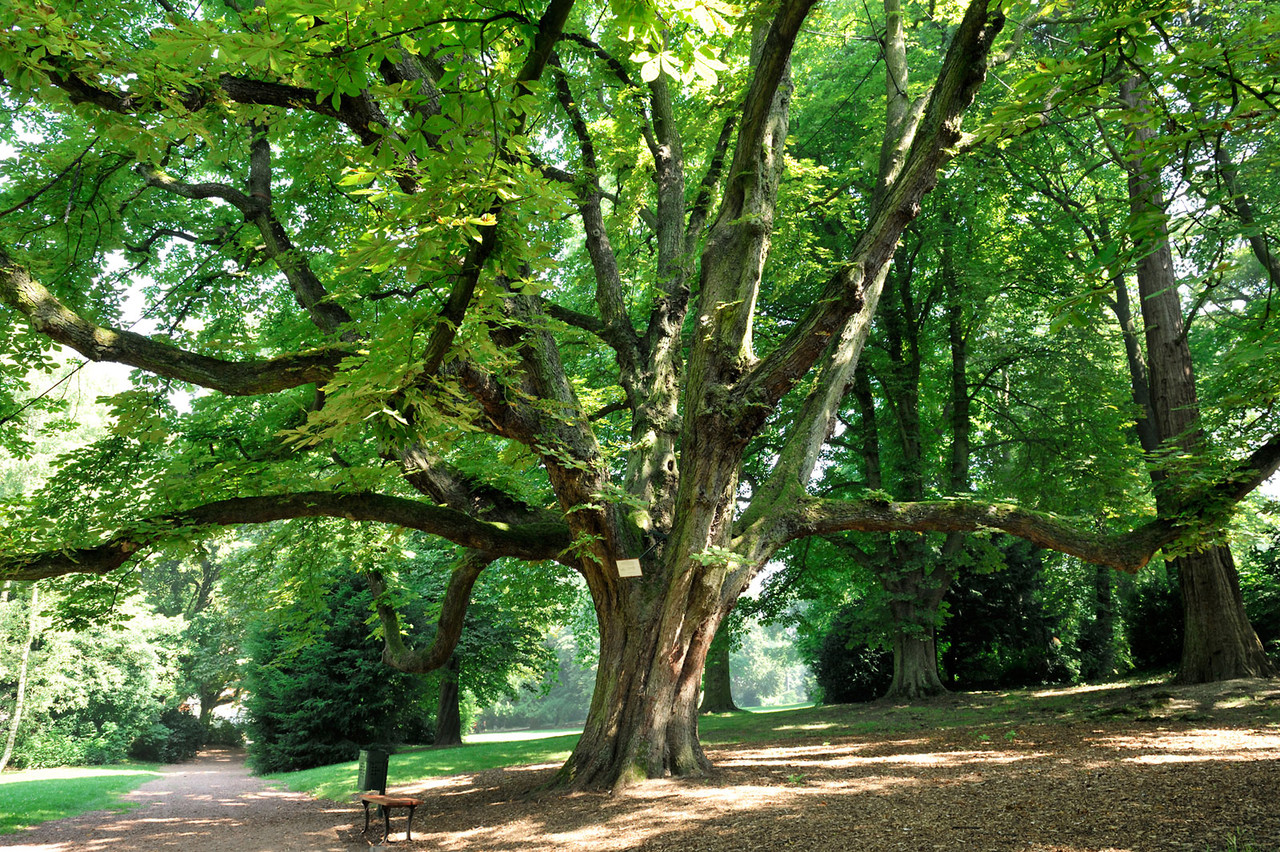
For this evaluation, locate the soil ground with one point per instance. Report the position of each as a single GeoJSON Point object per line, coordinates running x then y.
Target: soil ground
{"type": "Point", "coordinates": [1092, 769]}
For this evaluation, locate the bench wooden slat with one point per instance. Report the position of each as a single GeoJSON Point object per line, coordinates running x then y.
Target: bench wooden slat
{"type": "Point", "coordinates": [387, 803]}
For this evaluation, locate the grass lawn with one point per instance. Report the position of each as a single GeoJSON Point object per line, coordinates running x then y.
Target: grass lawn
{"type": "Point", "coordinates": [484, 751]}
{"type": "Point", "coordinates": [38, 795]}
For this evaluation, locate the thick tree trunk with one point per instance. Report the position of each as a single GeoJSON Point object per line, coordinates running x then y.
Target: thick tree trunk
{"type": "Point", "coordinates": [915, 666]}
{"type": "Point", "coordinates": [1218, 641]}
{"type": "Point", "coordinates": [717, 684]}
{"type": "Point", "coordinates": [643, 721]}
{"type": "Point", "coordinates": [915, 597]}
{"type": "Point", "coordinates": [208, 700]}
{"type": "Point", "coordinates": [16, 720]}
{"type": "Point", "coordinates": [448, 711]}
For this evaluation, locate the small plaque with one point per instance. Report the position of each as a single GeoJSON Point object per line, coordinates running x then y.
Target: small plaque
{"type": "Point", "coordinates": [628, 567]}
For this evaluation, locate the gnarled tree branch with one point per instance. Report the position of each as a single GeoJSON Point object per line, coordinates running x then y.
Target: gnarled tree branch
{"type": "Point", "coordinates": [453, 611]}
{"type": "Point", "coordinates": [535, 541]}
{"type": "Point", "coordinates": [51, 317]}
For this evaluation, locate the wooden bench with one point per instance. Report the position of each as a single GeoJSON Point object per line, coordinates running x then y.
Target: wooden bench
{"type": "Point", "coordinates": [387, 803]}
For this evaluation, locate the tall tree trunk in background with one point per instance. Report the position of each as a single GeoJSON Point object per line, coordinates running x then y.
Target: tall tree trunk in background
{"type": "Point", "coordinates": [922, 574]}
{"type": "Point", "coordinates": [16, 720]}
{"type": "Point", "coordinates": [448, 711]}
{"type": "Point", "coordinates": [717, 685]}
{"type": "Point", "coordinates": [914, 599]}
{"type": "Point", "coordinates": [1218, 641]}
{"type": "Point", "coordinates": [1242, 207]}
{"type": "Point", "coordinates": [1098, 640]}
{"type": "Point", "coordinates": [913, 576]}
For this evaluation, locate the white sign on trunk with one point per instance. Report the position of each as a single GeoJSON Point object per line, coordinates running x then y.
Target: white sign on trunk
{"type": "Point", "coordinates": [628, 567]}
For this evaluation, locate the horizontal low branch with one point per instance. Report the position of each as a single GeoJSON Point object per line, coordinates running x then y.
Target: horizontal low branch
{"type": "Point", "coordinates": [51, 317]}
{"type": "Point", "coordinates": [1125, 551]}
{"type": "Point", "coordinates": [534, 541]}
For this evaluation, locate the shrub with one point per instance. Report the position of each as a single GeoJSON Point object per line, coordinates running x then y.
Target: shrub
{"type": "Point", "coordinates": [1153, 616]}
{"type": "Point", "coordinates": [847, 668]}
{"type": "Point", "coordinates": [174, 738]}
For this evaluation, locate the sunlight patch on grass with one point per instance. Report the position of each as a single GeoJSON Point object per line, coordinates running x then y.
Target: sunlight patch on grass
{"type": "Point", "coordinates": [39, 795]}
{"type": "Point", "coordinates": [816, 726]}
{"type": "Point", "coordinates": [517, 736]}
{"type": "Point", "coordinates": [780, 708]}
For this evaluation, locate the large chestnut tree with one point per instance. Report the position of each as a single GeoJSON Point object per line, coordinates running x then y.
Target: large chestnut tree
{"type": "Point", "coordinates": [495, 271]}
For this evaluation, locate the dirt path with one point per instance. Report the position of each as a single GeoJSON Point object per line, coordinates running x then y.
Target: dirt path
{"type": "Point", "coordinates": [211, 804]}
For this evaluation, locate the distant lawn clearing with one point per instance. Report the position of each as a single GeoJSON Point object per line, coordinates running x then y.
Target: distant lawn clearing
{"type": "Point", "coordinates": [39, 795]}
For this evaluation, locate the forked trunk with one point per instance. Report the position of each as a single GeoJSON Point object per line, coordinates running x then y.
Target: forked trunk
{"type": "Point", "coordinates": [1218, 642]}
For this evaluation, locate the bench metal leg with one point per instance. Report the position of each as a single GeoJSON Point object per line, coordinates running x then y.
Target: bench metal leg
{"type": "Point", "coordinates": [408, 828]}
{"type": "Point", "coordinates": [366, 817]}
{"type": "Point", "coordinates": [386, 819]}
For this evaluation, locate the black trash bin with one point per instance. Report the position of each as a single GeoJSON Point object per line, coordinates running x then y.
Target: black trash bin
{"type": "Point", "coordinates": [373, 770]}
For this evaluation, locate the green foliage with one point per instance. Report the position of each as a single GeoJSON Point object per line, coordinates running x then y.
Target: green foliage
{"type": "Point", "coordinates": [224, 732]}
{"type": "Point", "coordinates": [317, 697]}
{"type": "Point", "coordinates": [1260, 587]}
{"type": "Point", "coordinates": [174, 738]}
{"type": "Point", "coordinates": [999, 632]}
{"type": "Point", "coordinates": [847, 668]}
{"type": "Point", "coordinates": [766, 668]}
{"type": "Point", "coordinates": [92, 694]}
{"type": "Point", "coordinates": [558, 700]}
{"type": "Point", "coordinates": [1153, 618]}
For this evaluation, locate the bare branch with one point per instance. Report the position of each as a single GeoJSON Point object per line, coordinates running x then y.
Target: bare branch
{"type": "Point", "coordinates": [307, 287]}
{"type": "Point", "coordinates": [1127, 552]}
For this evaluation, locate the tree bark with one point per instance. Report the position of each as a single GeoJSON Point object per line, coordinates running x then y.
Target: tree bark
{"type": "Point", "coordinates": [1098, 641]}
{"type": "Point", "coordinates": [914, 599]}
{"type": "Point", "coordinates": [32, 629]}
{"type": "Point", "coordinates": [448, 710]}
{"type": "Point", "coordinates": [643, 720]}
{"type": "Point", "coordinates": [1218, 641]}
{"type": "Point", "coordinates": [717, 684]}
